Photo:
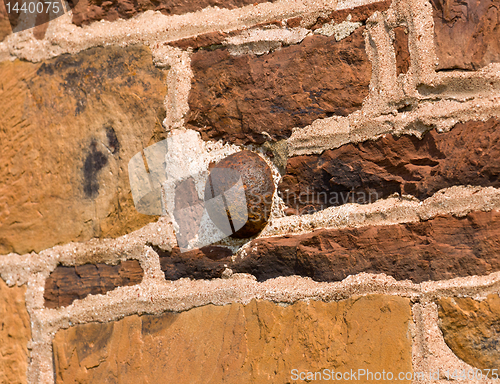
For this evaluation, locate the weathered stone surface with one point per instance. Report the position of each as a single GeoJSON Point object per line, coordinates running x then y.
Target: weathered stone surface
{"type": "Point", "coordinates": [66, 284]}
{"type": "Point", "coordinates": [15, 332]}
{"type": "Point", "coordinates": [261, 342]}
{"type": "Point", "coordinates": [257, 188]}
{"type": "Point", "coordinates": [401, 49]}
{"type": "Point", "coordinates": [69, 127]}
{"type": "Point", "coordinates": [365, 172]}
{"type": "Point", "coordinates": [441, 248]}
{"type": "Point", "coordinates": [201, 263]}
{"type": "Point", "coordinates": [466, 33]}
{"type": "Point", "coordinates": [472, 329]}
{"type": "Point", "coordinates": [238, 98]}
{"type": "Point", "coordinates": [87, 11]}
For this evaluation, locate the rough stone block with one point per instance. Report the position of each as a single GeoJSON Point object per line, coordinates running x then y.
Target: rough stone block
{"type": "Point", "coordinates": [466, 33]}
{"type": "Point", "coordinates": [260, 342]}
{"type": "Point", "coordinates": [87, 11]}
{"type": "Point", "coordinates": [68, 128]}
{"type": "Point", "coordinates": [375, 169]}
{"type": "Point", "coordinates": [15, 332]}
{"type": "Point", "coordinates": [471, 329]}
{"type": "Point", "coordinates": [66, 284]}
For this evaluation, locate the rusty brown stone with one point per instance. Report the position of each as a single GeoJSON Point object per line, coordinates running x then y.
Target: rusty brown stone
{"type": "Point", "coordinates": [202, 263]}
{"type": "Point", "coordinates": [15, 333]}
{"type": "Point", "coordinates": [67, 284]}
{"type": "Point", "coordinates": [401, 48]}
{"type": "Point", "coordinates": [87, 11]}
{"type": "Point", "coordinates": [471, 329]}
{"type": "Point", "coordinates": [68, 128]}
{"type": "Point", "coordinates": [375, 169]}
{"type": "Point", "coordinates": [466, 33]}
{"type": "Point", "coordinates": [258, 187]}
{"type": "Point", "coordinates": [260, 342]}
{"type": "Point", "coordinates": [438, 249]}
{"type": "Point", "coordinates": [243, 99]}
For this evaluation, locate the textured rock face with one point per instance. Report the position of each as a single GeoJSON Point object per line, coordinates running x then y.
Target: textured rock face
{"type": "Point", "coordinates": [66, 284]}
{"type": "Point", "coordinates": [86, 11]}
{"type": "Point", "coordinates": [69, 127]}
{"type": "Point", "coordinates": [261, 342]}
{"type": "Point", "coordinates": [365, 172]}
{"type": "Point", "coordinates": [467, 33]}
{"type": "Point", "coordinates": [442, 248]}
{"type": "Point", "coordinates": [14, 334]}
{"type": "Point", "coordinates": [237, 98]}
{"type": "Point", "coordinates": [472, 329]}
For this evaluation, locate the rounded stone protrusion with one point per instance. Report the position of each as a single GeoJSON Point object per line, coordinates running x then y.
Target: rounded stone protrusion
{"type": "Point", "coordinates": [239, 194]}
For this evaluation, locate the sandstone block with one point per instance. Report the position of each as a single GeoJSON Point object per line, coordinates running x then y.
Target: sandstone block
{"type": "Point", "coordinates": [375, 169]}
{"type": "Point", "coordinates": [15, 332]}
{"type": "Point", "coordinates": [466, 33]}
{"type": "Point", "coordinates": [243, 99]}
{"type": "Point", "coordinates": [66, 284]}
{"type": "Point", "coordinates": [471, 329]}
{"type": "Point", "coordinates": [441, 248]}
{"type": "Point", "coordinates": [260, 342]}
{"type": "Point", "coordinates": [69, 127]}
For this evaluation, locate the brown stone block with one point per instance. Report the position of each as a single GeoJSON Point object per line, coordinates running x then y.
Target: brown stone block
{"type": "Point", "coordinates": [466, 33]}
{"type": "Point", "coordinates": [238, 98]}
{"type": "Point", "coordinates": [68, 128]}
{"type": "Point", "coordinates": [261, 342]}
{"type": "Point", "coordinates": [401, 49]}
{"type": "Point", "coordinates": [87, 11]}
{"type": "Point", "coordinates": [66, 284]}
{"type": "Point", "coordinates": [202, 263]}
{"type": "Point", "coordinates": [375, 169]}
{"type": "Point", "coordinates": [441, 248]}
{"type": "Point", "coordinates": [15, 332]}
{"type": "Point", "coordinates": [471, 329]}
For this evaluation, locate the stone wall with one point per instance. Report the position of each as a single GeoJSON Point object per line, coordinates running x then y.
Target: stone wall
{"type": "Point", "coordinates": [378, 122]}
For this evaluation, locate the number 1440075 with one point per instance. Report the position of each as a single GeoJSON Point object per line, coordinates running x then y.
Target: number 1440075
{"type": "Point", "coordinates": [33, 7]}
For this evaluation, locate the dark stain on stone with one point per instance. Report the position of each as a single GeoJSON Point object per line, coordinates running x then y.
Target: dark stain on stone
{"type": "Point", "coordinates": [94, 337]}
{"type": "Point", "coordinates": [153, 324]}
{"type": "Point", "coordinates": [113, 143]}
{"type": "Point", "coordinates": [94, 162]}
